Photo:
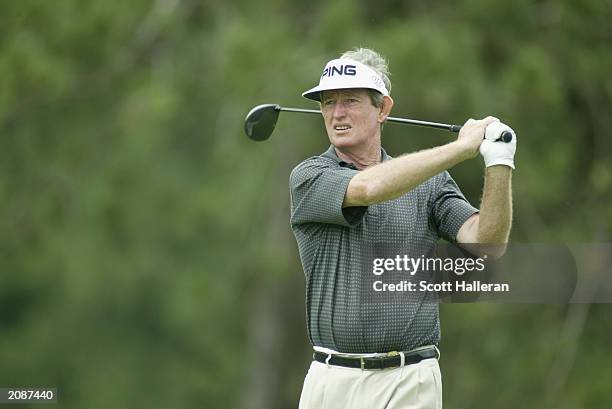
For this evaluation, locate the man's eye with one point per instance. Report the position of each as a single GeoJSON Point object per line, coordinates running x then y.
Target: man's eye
{"type": "Point", "coordinates": [353, 100]}
{"type": "Point", "coordinates": [328, 102]}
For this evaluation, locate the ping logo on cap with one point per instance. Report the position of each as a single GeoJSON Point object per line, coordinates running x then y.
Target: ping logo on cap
{"type": "Point", "coordinates": [346, 69]}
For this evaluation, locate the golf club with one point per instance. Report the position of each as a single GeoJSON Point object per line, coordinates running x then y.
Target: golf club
{"type": "Point", "coordinates": [261, 120]}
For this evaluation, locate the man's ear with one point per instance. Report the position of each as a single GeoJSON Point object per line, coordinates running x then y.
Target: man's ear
{"type": "Point", "coordinates": [385, 109]}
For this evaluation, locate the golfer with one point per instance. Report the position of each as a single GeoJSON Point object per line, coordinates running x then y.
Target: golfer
{"type": "Point", "coordinates": [355, 197]}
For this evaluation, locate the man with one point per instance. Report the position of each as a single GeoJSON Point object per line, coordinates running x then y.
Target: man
{"type": "Point", "coordinates": [353, 199]}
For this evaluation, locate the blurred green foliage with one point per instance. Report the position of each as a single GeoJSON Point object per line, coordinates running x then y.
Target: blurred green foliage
{"type": "Point", "coordinates": [146, 257]}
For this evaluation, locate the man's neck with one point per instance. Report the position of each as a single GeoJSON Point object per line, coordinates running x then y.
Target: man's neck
{"type": "Point", "coordinates": [363, 157]}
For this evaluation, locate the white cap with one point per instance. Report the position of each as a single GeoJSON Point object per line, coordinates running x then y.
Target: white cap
{"type": "Point", "coordinates": [344, 73]}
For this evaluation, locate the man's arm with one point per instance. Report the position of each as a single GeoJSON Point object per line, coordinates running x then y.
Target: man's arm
{"type": "Point", "coordinates": [492, 225]}
{"type": "Point", "coordinates": [393, 178]}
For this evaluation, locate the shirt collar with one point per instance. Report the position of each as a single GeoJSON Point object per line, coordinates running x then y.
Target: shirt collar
{"type": "Point", "coordinates": [331, 154]}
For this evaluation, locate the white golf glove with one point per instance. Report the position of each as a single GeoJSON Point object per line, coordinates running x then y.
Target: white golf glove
{"type": "Point", "coordinates": [500, 152]}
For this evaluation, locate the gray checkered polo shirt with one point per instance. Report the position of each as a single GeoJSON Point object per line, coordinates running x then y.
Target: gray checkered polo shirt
{"type": "Point", "coordinates": [335, 243]}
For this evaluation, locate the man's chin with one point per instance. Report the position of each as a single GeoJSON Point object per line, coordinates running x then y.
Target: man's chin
{"type": "Point", "coordinates": [343, 141]}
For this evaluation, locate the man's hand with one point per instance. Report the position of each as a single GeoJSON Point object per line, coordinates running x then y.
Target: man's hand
{"type": "Point", "coordinates": [498, 153]}
{"type": "Point", "coordinates": [472, 134]}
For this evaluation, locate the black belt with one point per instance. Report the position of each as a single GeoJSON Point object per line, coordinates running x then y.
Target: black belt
{"type": "Point", "coordinates": [392, 360]}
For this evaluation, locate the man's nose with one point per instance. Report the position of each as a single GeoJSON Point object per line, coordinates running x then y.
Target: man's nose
{"type": "Point", "coordinates": [339, 110]}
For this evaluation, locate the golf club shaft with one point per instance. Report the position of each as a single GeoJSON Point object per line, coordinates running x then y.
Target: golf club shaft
{"type": "Point", "coordinates": [452, 128]}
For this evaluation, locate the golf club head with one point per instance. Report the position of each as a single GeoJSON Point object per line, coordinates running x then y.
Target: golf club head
{"type": "Point", "coordinates": [260, 121]}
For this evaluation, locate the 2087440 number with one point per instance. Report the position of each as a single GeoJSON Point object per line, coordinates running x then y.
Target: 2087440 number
{"type": "Point", "coordinates": [16, 395]}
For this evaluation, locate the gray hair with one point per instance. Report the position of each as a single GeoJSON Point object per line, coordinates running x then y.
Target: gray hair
{"type": "Point", "coordinates": [376, 62]}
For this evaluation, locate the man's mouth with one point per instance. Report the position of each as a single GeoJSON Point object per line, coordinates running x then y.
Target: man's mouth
{"type": "Point", "coordinates": [342, 127]}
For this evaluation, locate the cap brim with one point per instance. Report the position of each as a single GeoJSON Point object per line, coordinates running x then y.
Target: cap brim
{"type": "Point", "coordinates": [315, 93]}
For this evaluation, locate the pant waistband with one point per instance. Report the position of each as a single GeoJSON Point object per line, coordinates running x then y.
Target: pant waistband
{"type": "Point", "coordinates": [390, 360]}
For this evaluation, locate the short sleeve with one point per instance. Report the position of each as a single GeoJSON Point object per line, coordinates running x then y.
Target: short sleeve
{"type": "Point", "coordinates": [317, 188]}
{"type": "Point", "coordinates": [449, 209]}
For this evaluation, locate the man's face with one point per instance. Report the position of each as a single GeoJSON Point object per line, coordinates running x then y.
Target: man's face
{"type": "Point", "coordinates": [350, 118]}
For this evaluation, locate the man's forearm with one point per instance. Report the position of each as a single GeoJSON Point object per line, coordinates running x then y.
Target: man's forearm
{"type": "Point", "coordinates": [495, 218]}
{"type": "Point", "coordinates": [391, 179]}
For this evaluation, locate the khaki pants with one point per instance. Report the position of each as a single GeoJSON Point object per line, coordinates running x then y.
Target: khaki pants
{"type": "Point", "coordinates": [416, 386]}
